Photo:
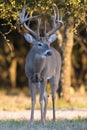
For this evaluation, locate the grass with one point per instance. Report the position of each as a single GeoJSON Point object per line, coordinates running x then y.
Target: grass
{"type": "Point", "coordinates": [17, 100]}
{"type": "Point", "coordinates": [58, 125]}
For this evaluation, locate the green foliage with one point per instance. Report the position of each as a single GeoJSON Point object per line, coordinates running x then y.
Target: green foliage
{"type": "Point", "coordinates": [9, 9]}
{"type": "Point", "coordinates": [77, 9]}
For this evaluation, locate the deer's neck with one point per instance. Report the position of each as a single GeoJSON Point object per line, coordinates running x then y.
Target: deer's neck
{"type": "Point", "coordinates": [37, 61]}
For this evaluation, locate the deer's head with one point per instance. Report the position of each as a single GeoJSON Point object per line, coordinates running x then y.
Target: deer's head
{"type": "Point", "coordinates": [42, 44]}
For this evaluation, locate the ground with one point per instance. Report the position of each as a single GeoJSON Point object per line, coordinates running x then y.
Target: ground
{"type": "Point", "coordinates": [15, 112]}
{"type": "Point", "coordinates": [68, 114]}
{"type": "Point", "coordinates": [19, 100]}
{"type": "Point", "coordinates": [58, 125]}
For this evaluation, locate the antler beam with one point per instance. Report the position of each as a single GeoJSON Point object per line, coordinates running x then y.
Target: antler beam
{"type": "Point", "coordinates": [57, 22]}
{"type": "Point", "coordinates": [24, 17]}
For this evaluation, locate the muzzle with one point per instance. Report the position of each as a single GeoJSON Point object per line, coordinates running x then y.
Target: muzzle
{"type": "Point", "coordinates": [48, 53]}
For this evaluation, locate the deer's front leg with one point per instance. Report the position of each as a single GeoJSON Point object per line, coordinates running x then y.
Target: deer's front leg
{"type": "Point", "coordinates": [33, 100]}
{"type": "Point", "coordinates": [45, 103]}
{"type": "Point", "coordinates": [42, 89]}
{"type": "Point", "coordinates": [54, 86]}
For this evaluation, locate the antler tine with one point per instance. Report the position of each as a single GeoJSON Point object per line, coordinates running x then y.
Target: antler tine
{"type": "Point", "coordinates": [57, 13]}
{"type": "Point", "coordinates": [24, 17]}
{"type": "Point", "coordinates": [57, 21]}
{"type": "Point", "coordinates": [38, 27]}
{"type": "Point", "coordinates": [61, 16]}
{"type": "Point", "coordinates": [45, 28]}
{"type": "Point", "coordinates": [54, 18]}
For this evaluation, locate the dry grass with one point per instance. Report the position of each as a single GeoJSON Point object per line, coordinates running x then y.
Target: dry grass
{"type": "Point", "coordinates": [15, 100]}
{"type": "Point", "coordinates": [58, 125]}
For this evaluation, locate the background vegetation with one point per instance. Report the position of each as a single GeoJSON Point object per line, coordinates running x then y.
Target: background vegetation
{"type": "Point", "coordinates": [72, 43]}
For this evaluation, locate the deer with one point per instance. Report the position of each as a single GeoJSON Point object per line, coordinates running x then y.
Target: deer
{"type": "Point", "coordinates": [43, 62]}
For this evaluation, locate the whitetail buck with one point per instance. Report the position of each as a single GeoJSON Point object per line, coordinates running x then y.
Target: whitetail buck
{"type": "Point", "coordinates": [43, 62]}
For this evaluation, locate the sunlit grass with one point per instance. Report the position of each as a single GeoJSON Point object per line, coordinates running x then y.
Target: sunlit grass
{"type": "Point", "coordinates": [17, 100]}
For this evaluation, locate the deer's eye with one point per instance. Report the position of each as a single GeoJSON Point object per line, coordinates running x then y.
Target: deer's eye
{"type": "Point", "coordinates": [39, 44]}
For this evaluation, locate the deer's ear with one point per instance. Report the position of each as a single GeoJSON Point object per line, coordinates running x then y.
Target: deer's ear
{"type": "Point", "coordinates": [52, 38]}
{"type": "Point", "coordinates": [30, 38]}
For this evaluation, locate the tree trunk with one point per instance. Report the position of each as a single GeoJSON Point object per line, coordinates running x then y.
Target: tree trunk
{"type": "Point", "coordinates": [66, 66]}
{"type": "Point", "coordinates": [12, 72]}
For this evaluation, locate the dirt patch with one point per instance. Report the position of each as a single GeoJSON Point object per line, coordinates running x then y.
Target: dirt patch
{"type": "Point", "coordinates": [68, 114]}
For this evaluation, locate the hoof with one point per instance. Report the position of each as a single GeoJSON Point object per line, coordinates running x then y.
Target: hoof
{"type": "Point", "coordinates": [31, 122]}
{"type": "Point", "coordinates": [43, 122]}
{"type": "Point", "coordinates": [54, 120]}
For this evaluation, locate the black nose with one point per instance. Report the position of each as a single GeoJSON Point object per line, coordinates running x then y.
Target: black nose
{"type": "Point", "coordinates": [49, 53]}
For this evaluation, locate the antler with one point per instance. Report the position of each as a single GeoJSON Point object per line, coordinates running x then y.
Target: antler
{"type": "Point", "coordinates": [56, 22]}
{"type": "Point", "coordinates": [25, 20]}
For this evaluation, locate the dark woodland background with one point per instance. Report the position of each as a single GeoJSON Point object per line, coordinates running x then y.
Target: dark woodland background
{"type": "Point", "coordinates": [72, 43]}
